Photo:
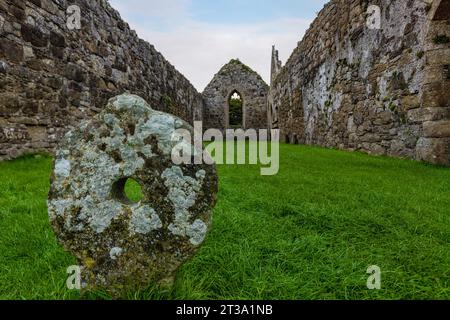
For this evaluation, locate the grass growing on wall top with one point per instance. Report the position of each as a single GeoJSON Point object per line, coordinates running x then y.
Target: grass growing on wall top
{"type": "Point", "coordinates": [309, 232]}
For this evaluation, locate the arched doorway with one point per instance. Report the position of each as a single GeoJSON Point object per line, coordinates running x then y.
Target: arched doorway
{"type": "Point", "coordinates": [235, 111]}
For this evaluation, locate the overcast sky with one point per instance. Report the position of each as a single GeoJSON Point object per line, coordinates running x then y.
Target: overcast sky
{"type": "Point", "coordinates": [199, 36]}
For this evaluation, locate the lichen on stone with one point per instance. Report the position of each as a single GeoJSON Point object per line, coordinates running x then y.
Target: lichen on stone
{"type": "Point", "coordinates": [115, 253]}
{"type": "Point", "coordinates": [92, 215]}
{"type": "Point", "coordinates": [144, 220]}
{"type": "Point", "coordinates": [197, 232]}
{"type": "Point", "coordinates": [62, 168]}
{"type": "Point", "coordinates": [182, 193]}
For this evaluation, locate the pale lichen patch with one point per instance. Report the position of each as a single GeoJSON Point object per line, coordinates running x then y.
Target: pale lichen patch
{"type": "Point", "coordinates": [131, 161]}
{"type": "Point", "coordinates": [144, 220]}
{"type": "Point", "coordinates": [197, 232]}
{"type": "Point", "coordinates": [104, 214]}
{"type": "Point", "coordinates": [115, 252]}
{"type": "Point", "coordinates": [58, 207]}
{"type": "Point", "coordinates": [132, 104]}
{"type": "Point", "coordinates": [182, 194]}
{"type": "Point", "coordinates": [162, 126]}
{"type": "Point", "coordinates": [62, 168]}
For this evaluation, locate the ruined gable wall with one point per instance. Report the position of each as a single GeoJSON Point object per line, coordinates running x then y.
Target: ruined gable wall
{"type": "Point", "coordinates": [52, 77]}
{"type": "Point", "coordinates": [379, 91]}
{"type": "Point", "coordinates": [235, 76]}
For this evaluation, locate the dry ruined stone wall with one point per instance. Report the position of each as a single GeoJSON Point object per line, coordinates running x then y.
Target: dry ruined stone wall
{"type": "Point", "coordinates": [51, 77]}
{"type": "Point", "coordinates": [236, 77]}
{"type": "Point", "coordinates": [383, 91]}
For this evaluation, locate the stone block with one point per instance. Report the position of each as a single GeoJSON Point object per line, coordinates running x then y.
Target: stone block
{"type": "Point", "coordinates": [57, 39]}
{"type": "Point", "coordinates": [11, 50]}
{"type": "Point", "coordinates": [420, 115]}
{"type": "Point", "coordinates": [410, 102]}
{"type": "Point", "coordinates": [436, 95]}
{"type": "Point", "coordinates": [75, 72]}
{"type": "Point", "coordinates": [436, 129]}
{"type": "Point", "coordinates": [434, 150]}
{"type": "Point", "coordinates": [37, 133]}
{"type": "Point", "coordinates": [34, 35]}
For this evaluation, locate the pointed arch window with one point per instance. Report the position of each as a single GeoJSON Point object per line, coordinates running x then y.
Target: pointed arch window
{"type": "Point", "coordinates": [235, 104]}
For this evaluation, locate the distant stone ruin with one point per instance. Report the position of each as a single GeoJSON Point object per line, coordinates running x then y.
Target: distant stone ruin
{"type": "Point", "coordinates": [236, 78]}
{"type": "Point", "coordinates": [371, 76]}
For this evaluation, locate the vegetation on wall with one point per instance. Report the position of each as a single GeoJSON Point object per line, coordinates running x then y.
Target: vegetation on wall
{"type": "Point", "coordinates": [441, 39]}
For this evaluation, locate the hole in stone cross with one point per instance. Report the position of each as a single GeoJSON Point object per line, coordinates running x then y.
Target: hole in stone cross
{"type": "Point", "coordinates": [235, 104]}
{"type": "Point", "coordinates": [127, 191]}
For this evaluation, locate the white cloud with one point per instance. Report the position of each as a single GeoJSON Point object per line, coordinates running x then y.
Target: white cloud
{"type": "Point", "coordinates": [169, 10]}
{"type": "Point", "coordinates": [199, 50]}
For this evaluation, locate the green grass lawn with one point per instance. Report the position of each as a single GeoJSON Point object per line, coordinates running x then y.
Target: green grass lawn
{"type": "Point", "coordinates": [309, 232]}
